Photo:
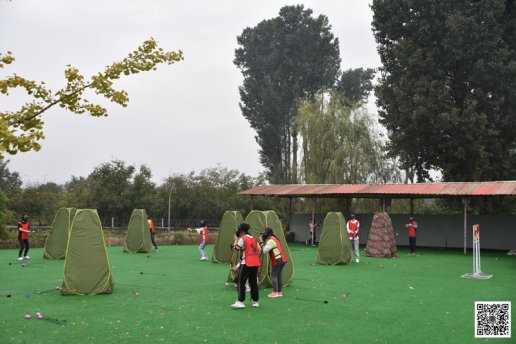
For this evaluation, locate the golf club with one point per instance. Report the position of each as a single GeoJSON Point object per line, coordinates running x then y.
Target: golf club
{"type": "Point", "coordinates": [48, 290]}
{"type": "Point", "coordinates": [151, 273]}
{"type": "Point", "coordinates": [54, 320]}
{"type": "Point", "coordinates": [310, 300]}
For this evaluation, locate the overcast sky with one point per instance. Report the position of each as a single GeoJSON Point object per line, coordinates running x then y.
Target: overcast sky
{"type": "Point", "coordinates": [181, 118]}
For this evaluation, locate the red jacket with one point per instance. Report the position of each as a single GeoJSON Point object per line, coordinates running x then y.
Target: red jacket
{"type": "Point", "coordinates": [204, 235]}
{"type": "Point", "coordinates": [26, 226]}
{"type": "Point", "coordinates": [352, 227]}
{"type": "Point", "coordinates": [412, 227]}
{"type": "Point", "coordinates": [252, 257]}
{"type": "Point", "coordinates": [273, 257]}
{"type": "Point", "coordinates": [151, 225]}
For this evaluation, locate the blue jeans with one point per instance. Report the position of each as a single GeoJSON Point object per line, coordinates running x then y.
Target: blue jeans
{"type": "Point", "coordinates": [202, 245]}
{"type": "Point", "coordinates": [354, 243]}
{"type": "Point", "coordinates": [276, 279]}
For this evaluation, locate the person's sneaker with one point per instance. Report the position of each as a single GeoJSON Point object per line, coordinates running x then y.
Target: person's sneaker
{"type": "Point", "coordinates": [255, 304]}
{"type": "Point", "coordinates": [238, 304]}
{"type": "Point", "coordinates": [273, 294]}
{"type": "Point", "coordinates": [20, 258]}
{"type": "Point", "coordinates": [357, 260]}
{"type": "Point", "coordinates": [279, 294]}
{"type": "Point", "coordinates": [204, 258]}
{"type": "Point", "coordinates": [26, 257]}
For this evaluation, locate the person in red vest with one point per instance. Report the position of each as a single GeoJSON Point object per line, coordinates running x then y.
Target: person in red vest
{"type": "Point", "coordinates": [353, 227]}
{"type": "Point", "coordinates": [152, 230]}
{"type": "Point", "coordinates": [250, 261]}
{"type": "Point", "coordinates": [411, 227]}
{"type": "Point", "coordinates": [204, 238]}
{"type": "Point", "coordinates": [272, 245]}
{"type": "Point", "coordinates": [23, 237]}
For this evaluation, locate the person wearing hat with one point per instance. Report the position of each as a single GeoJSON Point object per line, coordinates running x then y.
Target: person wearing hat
{"type": "Point", "coordinates": [353, 227]}
{"type": "Point", "coordinates": [23, 237]}
{"type": "Point", "coordinates": [250, 253]}
{"type": "Point", "coordinates": [272, 245]}
{"type": "Point", "coordinates": [204, 238]}
{"type": "Point", "coordinates": [411, 227]}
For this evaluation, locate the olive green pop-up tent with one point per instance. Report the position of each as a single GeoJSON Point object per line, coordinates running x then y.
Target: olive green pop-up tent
{"type": "Point", "coordinates": [334, 245]}
{"type": "Point", "coordinates": [228, 224]}
{"type": "Point", "coordinates": [86, 270]}
{"type": "Point", "coordinates": [138, 237]}
{"type": "Point", "coordinates": [259, 220]}
{"type": "Point", "coordinates": [55, 245]}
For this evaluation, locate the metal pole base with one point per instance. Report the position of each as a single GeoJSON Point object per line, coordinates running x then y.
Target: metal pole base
{"type": "Point", "coordinates": [477, 275]}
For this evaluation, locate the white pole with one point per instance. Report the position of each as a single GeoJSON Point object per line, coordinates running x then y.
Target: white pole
{"type": "Point", "coordinates": [169, 197]}
{"type": "Point", "coordinates": [465, 199]}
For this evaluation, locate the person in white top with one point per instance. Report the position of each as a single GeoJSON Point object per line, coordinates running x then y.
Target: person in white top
{"type": "Point", "coordinates": [203, 238]}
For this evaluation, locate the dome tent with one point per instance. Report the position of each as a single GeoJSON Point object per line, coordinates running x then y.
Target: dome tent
{"type": "Point", "coordinates": [228, 224]}
{"type": "Point", "coordinates": [381, 241]}
{"type": "Point", "coordinates": [138, 237]}
{"type": "Point", "coordinates": [334, 246]}
{"type": "Point", "coordinates": [259, 220]}
{"type": "Point", "coordinates": [57, 239]}
{"type": "Point", "coordinates": [86, 268]}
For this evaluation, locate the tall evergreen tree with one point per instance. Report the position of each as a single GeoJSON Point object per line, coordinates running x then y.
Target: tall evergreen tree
{"type": "Point", "coordinates": [447, 92]}
{"type": "Point", "coordinates": [282, 59]}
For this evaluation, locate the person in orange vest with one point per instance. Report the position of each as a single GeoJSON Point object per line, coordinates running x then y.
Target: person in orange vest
{"type": "Point", "coordinates": [272, 245]}
{"type": "Point", "coordinates": [23, 237]}
{"type": "Point", "coordinates": [250, 261]}
{"type": "Point", "coordinates": [204, 238]}
{"type": "Point", "coordinates": [152, 230]}
{"type": "Point", "coordinates": [411, 227]}
{"type": "Point", "coordinates": [353, 227]}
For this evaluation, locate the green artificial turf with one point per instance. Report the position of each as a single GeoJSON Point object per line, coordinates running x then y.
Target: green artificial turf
{"type": "Point", "coordinates": [410, 299]}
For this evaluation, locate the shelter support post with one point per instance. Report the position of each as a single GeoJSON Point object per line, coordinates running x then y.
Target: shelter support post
{"type": "Point", "coordinates": [411, 206]}
{"type": "Point", "coordinates": [252, 203]}
{"type": "Point", "coordinates": [465, 201]}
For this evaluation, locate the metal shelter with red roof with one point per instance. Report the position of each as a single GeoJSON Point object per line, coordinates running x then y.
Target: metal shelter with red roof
{"type": "Point", "coordinates": [384, 192]}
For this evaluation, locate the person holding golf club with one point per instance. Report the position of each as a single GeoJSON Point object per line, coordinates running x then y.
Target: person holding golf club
{"type": "Point", "coordinates": [204, 238]}
{"type": "Point", "coordinates": [272, 245]}
{"type": "Point", "coordinates": [152, 230]}
{"type": "Point", "coordinates": [353, 227]}
{"type": "Point", "coordinates": [23, 237]}
{"type": "Point", "coordinates": [250, 261]}
{"type": "Point", "coordinates": [411, 227]}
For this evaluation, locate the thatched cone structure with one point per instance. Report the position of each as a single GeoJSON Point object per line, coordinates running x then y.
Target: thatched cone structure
{"type": "Point", "coordinates": [381, 241]}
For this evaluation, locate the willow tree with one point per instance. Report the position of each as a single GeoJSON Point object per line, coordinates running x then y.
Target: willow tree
{"type": "Point", "coordinates": [340, 144]}
{"type": "Point", "coordinates": [21, 130]}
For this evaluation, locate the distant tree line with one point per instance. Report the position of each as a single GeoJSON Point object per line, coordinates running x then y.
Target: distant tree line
{"type": "Point", "coordinates": [115, 188]}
